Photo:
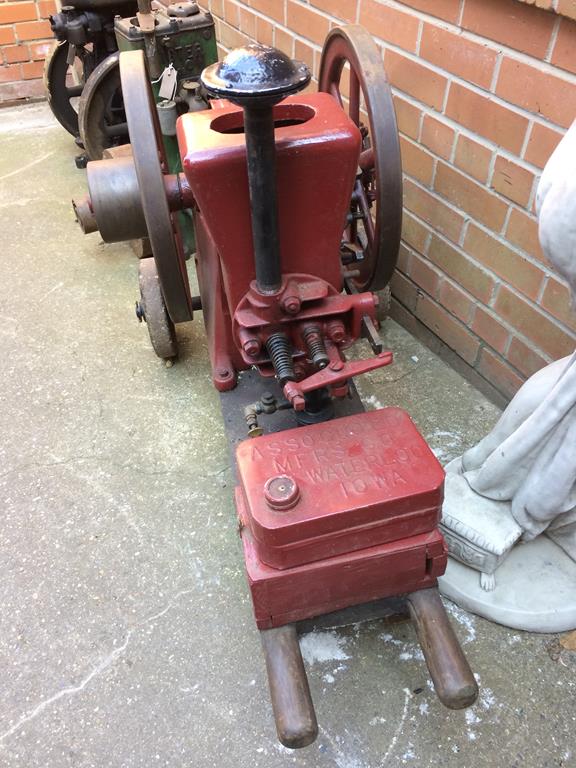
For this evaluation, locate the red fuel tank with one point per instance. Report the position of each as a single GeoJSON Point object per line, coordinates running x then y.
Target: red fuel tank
{"type": "Point", "coordinates": [319, 491]}
{"type": "Point", "coordinates": [338, 513]}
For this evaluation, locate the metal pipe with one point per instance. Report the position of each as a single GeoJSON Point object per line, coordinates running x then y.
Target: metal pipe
{"type": "Point", "coordinates": [261, 159]}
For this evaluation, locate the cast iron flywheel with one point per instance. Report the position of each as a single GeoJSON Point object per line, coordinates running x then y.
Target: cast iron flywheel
{"type": "Point", "coordinates": [375, 221]}
{"type": "Point", "coordinates": [62, 95]}
{"type": "Point", "coordinates": [101, 118]}
{"type": "Point", "coordinates": [150, 165]}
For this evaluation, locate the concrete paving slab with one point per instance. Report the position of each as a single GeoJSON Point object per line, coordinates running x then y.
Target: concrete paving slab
{"type": "Point", "coordinates": [126, 632]}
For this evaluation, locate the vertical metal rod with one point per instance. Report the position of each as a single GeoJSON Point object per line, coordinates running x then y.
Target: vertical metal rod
{"type": "Point", "coordinates": [450, 672]}
{"type": "Point", "coordinates": [291, 700]}
{"type": "Point", "coordinates": [261, 158]}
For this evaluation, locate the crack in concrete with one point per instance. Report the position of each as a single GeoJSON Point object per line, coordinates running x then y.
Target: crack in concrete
{"type": "Point", "coordinates": [28, 165]}
{"type": "Point", "coordinates": [344, 759]}
{"type": "Point", "coordinates": [106, 662]}
{"type": "Point", "coordinates": [105, 459]}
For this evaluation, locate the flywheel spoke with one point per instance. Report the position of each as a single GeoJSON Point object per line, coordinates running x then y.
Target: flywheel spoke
{"type": "Point", "coordinates": [354, 109]}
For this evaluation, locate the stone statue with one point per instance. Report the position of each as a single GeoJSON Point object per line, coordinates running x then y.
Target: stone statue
{"type": "Point", "coordinates": [509, 515]}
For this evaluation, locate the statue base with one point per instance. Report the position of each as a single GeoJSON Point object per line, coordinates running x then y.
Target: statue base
{"type": "Point", "coordinates": [536, 588]}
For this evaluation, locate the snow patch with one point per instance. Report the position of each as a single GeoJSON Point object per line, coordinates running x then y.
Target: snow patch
{"type": "Point", "coordinates": [323, 646]}
{"type": "Point", "coordinates": [464, 619]}
{"type": "Point", "coordinates": [409, 754]}
{"type": "Point", "coordinates": [372, 401]}
{"type": "Point", "coordinates": [377, 721]}
{"type": "Point", "coordinates": [445, 445]}
{"type": "Point", "coordinates": [487, 698]}
{"type": "Point", "coordinates": [390, 639]}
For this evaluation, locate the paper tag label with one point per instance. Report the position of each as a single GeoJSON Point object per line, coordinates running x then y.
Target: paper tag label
{"type": "Point", "coordinates": [168, 84]}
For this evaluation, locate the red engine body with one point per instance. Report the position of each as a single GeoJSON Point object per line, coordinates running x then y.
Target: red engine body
{"type": "Point", "coordinates": [359, 497]}
{"type": "Point", "coordinates": [317, 150]}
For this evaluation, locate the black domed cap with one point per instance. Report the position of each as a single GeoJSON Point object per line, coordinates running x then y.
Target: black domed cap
{"type": "Point", "coordinates": [255, 74]}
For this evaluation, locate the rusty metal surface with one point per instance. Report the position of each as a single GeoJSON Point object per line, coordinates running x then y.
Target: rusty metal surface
{"type": "Point", "coordinates": [61, 94]}
{"type": "Point", "coordinates": [122, 150]}
{"type": "Point", "coordinates": [153, 311]}
{"type": "Point", "coordinates": [115, 198]}
{"type": "Point", "coordinates": [292, 704]}
{"type": "Point", "coordinates": [453, 680]}
{"type": "Point", "coordinates": [85, 33]}
{"type": "Point", "coordinates": [85, 215]}
{"type": "Point", "coordinates": [101, 117]}
{"type": "Point", "coordinates": [150, 162]}
{"type": "Point", "coordinates": [380, 184]}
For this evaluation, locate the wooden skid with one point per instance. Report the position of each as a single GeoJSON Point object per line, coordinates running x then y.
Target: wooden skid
{"type": "Point", "coordinates": [292, 704]}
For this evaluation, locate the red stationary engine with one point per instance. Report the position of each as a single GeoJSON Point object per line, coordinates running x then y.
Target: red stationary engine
{"type": "Point", "coordinates": [317, 150]}
{"type": "Point", "coordinates": [296, 201]}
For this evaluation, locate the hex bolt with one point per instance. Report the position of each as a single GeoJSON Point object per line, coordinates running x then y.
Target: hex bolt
{"type": "Point", "coordinates": [291, 305]}
{"type": "Point", "coordinates": [251, 347]}
{"type": "Point", "coordinates": [281, 492]}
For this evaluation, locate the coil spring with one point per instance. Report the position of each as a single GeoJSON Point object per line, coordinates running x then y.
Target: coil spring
{"type": "Point", "coordinates": [312, 336]}
{"type": "Point", "coordinates": [278, 348]}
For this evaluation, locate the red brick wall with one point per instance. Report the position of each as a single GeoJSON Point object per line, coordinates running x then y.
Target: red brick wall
{"type": "Point", "coordinates": [25, 38]}
{"type": "Point", "coordinates": [484, 91]}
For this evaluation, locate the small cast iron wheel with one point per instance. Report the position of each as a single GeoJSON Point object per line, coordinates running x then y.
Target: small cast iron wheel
{"type": "Point", "coordinates": [153, 311]}
{"type": "Point", "coordinates": [377, 197]}
{"type": "Point", "coordinates": [101, 117]}
{"type": "Point", "coordinates": [61, 94]}
{"type": "Point", "coordinates": [150, 163]}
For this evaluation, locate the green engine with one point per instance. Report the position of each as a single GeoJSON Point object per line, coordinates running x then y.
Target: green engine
{"type": "Point", "coordinates": [184, 38]}
{"type": "Point", "coordinates": [183, 44]}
